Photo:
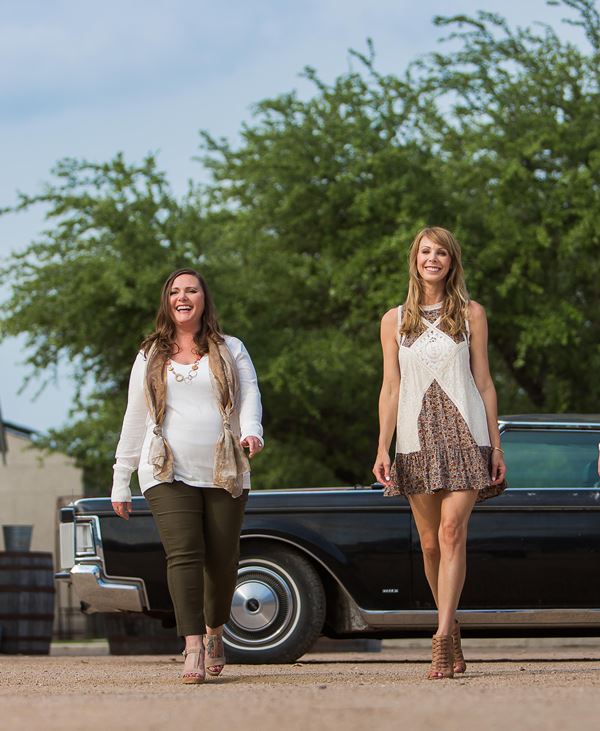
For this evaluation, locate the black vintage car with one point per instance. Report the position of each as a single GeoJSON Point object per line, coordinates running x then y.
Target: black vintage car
{"type": "Point", "coordinates": [345, 562]}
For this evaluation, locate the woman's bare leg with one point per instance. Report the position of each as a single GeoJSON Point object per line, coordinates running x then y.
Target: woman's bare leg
{"type": "Point", "coordinates": [193, 642]}
{"type": "Point", "coordinates": [215, 650]}
{"type": "Point", "coordinates": [427, 512]}
{"type": "Point", "coordinates": [456, 510]}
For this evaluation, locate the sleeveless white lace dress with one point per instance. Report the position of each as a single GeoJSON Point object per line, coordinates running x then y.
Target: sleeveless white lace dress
{"type": "Point", "coordinates": [442, 439]}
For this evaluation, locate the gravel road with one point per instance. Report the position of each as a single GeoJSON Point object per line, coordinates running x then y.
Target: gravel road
{"type": "Point", "coordinates": [519, 688]}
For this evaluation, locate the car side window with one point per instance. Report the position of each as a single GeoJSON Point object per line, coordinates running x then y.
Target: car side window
{"type": "Point", "coordinates": [551, 458]}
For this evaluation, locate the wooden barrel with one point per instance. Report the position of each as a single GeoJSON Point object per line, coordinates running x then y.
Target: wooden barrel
{"type": "Point", "coordinates": [26, 602]}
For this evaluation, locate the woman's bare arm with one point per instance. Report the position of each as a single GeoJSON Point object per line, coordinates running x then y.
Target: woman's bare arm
{"type": "Point", "coordinates": [388, 396]}
{"type": "Point", "coordinates": [483, 380]}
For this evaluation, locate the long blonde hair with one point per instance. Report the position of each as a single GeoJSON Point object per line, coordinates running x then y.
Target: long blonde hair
{"type": "Point", "coordinates": [456, 299]}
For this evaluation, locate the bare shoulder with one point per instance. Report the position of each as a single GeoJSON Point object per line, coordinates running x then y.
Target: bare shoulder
{"type": "Point", "coordinates": [476, 312]}
{"type": "Point", "coordinates": [390, 318]}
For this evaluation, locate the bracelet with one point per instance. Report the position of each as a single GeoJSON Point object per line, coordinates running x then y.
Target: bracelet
{"type": "Point", "coordinates": [498, 449]}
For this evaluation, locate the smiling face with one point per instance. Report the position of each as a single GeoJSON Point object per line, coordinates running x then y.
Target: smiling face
{"type": "Point", "coordinates": [186, 301]}
{"type": "Point", "coordinates": [433, 261]}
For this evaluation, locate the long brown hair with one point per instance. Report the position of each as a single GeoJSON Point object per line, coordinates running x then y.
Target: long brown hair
{"type": "Point", "coordinates": [456, 299]}
{"type": "Point", "coordinates": [165, 331]}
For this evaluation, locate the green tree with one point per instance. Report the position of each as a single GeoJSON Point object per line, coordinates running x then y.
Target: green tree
{"type": "Point", "coordinates": [315, 208]}
{"type": "Point", "coordinates": [301, 234]}
{"type": "Point", "coordinates": [86, 291]}
{"type": "Point", "coordinates": [515, 116]}
{"type": "Point", "coordinates": [303, 231]}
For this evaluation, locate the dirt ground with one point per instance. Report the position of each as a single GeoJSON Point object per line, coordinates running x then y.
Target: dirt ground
{"type": "Point", "coordinates": [507, 687]}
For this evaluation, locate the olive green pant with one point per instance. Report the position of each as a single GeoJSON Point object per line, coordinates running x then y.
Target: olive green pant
{"type": "Point", "coordinates": [200, 531]}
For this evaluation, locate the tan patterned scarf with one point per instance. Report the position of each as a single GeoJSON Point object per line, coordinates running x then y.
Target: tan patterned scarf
{"type": "Point", "coordinates": [230, 459]}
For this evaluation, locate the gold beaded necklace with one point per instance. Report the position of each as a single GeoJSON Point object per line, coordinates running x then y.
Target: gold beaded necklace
{"type": "Point", "coordinates": [190, 375]}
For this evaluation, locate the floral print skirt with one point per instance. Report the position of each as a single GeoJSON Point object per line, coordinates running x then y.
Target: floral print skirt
{"type": "Point", "coordinates": [449, 458]}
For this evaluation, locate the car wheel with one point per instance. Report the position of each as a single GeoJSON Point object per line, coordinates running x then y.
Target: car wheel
{"type": "Point", "coordinates": [278, 607]}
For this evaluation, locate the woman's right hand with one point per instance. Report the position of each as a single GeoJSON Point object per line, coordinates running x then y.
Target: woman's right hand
{"type": "Point", "coordinates": [381, 468]}
{"type": "Point", "coordinates": [123, 509]}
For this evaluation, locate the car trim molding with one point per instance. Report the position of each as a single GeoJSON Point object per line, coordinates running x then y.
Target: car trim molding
{"type": "Point", "coordinates": [483, 618]}
{"type": "Point", "coordinates": [300, 547]}
{"type": "Point", "coordinates": [554, 425]}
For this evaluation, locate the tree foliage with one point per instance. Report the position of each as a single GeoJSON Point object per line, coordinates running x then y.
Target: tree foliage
{"type": "Point", "coordinates": [521, 160]}
{"type": "Point", "coordinates": [85, 291]}
{"type": "Point", "coordinates": [303, 232]}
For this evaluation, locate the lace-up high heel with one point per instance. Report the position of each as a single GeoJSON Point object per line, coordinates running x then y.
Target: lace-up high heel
{"type": "Point", "coordinates": [459, 659]}
{"type": "Point", "coordinates": [442, 658]}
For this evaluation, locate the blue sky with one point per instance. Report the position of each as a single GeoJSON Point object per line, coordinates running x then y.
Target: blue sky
{"type": "Point", "coordinates": [87, 79]}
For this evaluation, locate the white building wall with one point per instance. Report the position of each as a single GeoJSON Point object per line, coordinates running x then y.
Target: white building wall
{"type": "Point", "coordinates": [30, 485]}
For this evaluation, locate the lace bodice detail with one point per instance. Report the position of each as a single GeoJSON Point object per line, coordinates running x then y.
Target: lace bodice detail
{"type": "Point", "coordinates": [433, 347]}
{"type": "Point", "coordinates": [430, 313]}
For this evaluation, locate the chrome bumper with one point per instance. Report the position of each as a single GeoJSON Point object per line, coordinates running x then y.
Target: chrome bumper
{"type": "Point", "coordinates": [100, 593]}
{"type": "Point", "coordinates": [82, 565]}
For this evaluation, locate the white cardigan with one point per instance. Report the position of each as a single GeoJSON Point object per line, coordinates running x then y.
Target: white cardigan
{"type": "Point", "coordinates": [191, 427]}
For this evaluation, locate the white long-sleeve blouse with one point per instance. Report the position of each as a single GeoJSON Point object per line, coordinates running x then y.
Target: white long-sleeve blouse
{"type": "Point", "coordinates": [192, 424]}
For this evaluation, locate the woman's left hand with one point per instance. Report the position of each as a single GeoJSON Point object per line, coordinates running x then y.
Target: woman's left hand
{"type": "Point", "coordinates": [498, 467]}
{"type": "Point", "coordinates": [252, 444]}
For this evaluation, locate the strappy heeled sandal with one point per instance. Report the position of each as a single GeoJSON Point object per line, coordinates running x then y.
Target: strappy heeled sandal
{"type": "Point", "coordinates": [196, 674]}
{"type": "Point", "coordinates": [459, 659]}
{"type": "Point", "coordinates": [214, 658]}
{"type": "Point", "coordinates": [442, 658]}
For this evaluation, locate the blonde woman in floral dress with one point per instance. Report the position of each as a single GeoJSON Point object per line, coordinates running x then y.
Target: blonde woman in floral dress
{"type": "Point", "coordinates": [438, 395]}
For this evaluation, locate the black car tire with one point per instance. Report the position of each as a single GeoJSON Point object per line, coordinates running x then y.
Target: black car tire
{"type": "Point", "coordinates": [278, 608]}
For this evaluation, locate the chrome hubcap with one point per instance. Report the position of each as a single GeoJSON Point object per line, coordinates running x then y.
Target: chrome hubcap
{"type": "Point", "coordinates": [254, 605]}
{"type": "Point", "coordinates": [265, 606]}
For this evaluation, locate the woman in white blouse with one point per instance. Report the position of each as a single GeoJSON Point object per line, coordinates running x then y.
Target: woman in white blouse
{"type": "Point", "coordinates": [193, 406]}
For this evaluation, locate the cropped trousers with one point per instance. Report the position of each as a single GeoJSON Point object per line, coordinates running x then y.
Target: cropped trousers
{"type": "Point", "coordinates": [199, 528]}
